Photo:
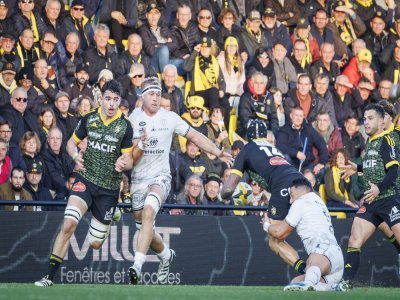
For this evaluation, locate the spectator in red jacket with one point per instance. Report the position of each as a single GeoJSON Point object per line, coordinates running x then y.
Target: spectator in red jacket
{"type": "Point", "coordinates": [360, 67]}
{"type": "Point", "coordinates": [329, 133]}
{"type": "Point", "coordinates": [5, 162]}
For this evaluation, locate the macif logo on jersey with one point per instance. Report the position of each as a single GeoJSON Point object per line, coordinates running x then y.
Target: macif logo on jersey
{"type": "Point", "coordinates": [370, 163]}
{"type": "Point", "coordinates": [102, 146]}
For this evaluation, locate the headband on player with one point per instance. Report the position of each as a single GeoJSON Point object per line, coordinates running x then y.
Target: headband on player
{"type": "Point", "coordinates": [152, 87]}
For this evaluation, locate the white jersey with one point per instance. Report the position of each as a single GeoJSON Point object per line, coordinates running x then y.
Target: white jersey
{"type": "Point", "coordinates": [160, 129]}
{"type": "Point", "coordinates": [312, 221]}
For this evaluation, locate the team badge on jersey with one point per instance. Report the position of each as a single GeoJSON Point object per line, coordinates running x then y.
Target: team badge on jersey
{"type": "Point", "coordinates": [273, 210]}
{"type": "Point", "coordinates": [79, 187]}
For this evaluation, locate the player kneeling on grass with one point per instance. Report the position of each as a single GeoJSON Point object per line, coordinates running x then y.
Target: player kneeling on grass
{"type": "Point", "coordinates": [99, 167]}
{"type": "Point", "coordinates": [309, 215]}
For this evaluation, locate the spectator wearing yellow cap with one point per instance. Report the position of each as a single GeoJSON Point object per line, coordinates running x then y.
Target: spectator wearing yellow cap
{"type": "Point", "coordinates": [194, 117]}
{"type": "Point", "coordinates": [232, 66]}
{"type": "Point", "coordinates": [360, 68]}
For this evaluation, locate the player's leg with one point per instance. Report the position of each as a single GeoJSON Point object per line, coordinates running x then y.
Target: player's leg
{"type": "Point", "coordinates": [384, 227]}
{"type": "Point", "coordinates": [74, 211]}
{"type": "Point", "coordinates": [278, 209]}
{"type": "Point", "coordinates": [361, 231]}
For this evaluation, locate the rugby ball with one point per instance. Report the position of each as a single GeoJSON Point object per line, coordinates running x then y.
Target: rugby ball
{"type": "Point", "coordinates": [243, 194]}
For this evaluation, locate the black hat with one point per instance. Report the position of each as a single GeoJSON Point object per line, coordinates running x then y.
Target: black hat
{"type": "Point", "coordinates": [337, 4]}
{"type": "Point", "coordinates": [8, 67]}
{"type": "Point", "coordinates": [34, 166]}
{"type": "Point", "coordinates": [269, 12]}
{"type": "Point", "coordinates": [256, 129]}
{"type": "Point", "coordinates": [213, 177]}
{"type": "Point", "coordinates": [8, 35]}
{"type": "Point", "coordinates": [378, 14]}
{"type": "Point", "coordinates": [303, 23]}
{"type": "Point", "coordinates": [25, 73]}
{"type": "Point", "coordinates": [237, 145]}
{"type": "Point", "coordinates": [206, 42]}
{"type": "Point", "coordinates": [81, 67]}
{"type": "Point", "coordinates": [253, 15]}
{"type": "Point", "coordinates": [153, 5]}
{"type": "Point", "coordinates": [78, 3]}
{"type": "Point", "coordinates": [124, 103]}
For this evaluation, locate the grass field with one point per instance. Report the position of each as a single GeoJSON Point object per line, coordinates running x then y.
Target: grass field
{"type": "Point", "coordinates": [114, 292]}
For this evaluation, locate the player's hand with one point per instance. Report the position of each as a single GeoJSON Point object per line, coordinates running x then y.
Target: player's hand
{"type": "Point", "coordinates": [348, 170]}
{"type": "Point", "coordinates": [79, 167]}
{"type": "Point", "coordinates": [371, 194]}
{"type": "Point", "coordinates": [120, 164]}
{"type": "Point", "coordinates": [226, 158]}
{"type": "Point", "coordinates": [143, 139]}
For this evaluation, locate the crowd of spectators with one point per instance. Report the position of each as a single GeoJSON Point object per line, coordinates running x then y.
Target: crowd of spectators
{"type": "Point", "coordinates": [306, 67]}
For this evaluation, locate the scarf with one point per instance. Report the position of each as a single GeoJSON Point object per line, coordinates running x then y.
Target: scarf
{"type": "Point", "coordinates": [256, 35]}
{"type": "Point", "coordinates": [336, 181]}
{"type": "Point", "coordinates": [234, 63]}
{"type": "Point", "coordinates": [365, 3]}
{"type": "Point", "coordinates": [346, 31]}
{"type": "Point", "coordinates": [34, 28]}
{"type": "Point", "coordinates": [9, 88]}
{"type": "Point", "coordinates": [206, 73]}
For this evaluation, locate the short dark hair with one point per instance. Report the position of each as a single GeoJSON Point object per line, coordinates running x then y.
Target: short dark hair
{"type": "Point", "coordinates": [352, 116]}
{"type": "Point", "coordinates": [112, 86]}
{"type": "Point", "coordinates": [388, 107]}
{"type": "Point", "coordinates": [302, 182]}
{"type": "Point", "coordinates": [377, 108]}
{"type": "Point", "coordinates": [18, 169]}
{"type": "Point", "coordinates": [6, 122]}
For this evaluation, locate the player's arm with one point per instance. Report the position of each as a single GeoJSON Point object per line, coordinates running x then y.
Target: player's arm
{"type": "Point", "coordinates": [139, 144]}
{"type": "Point", "coordinates": [205, 144]}
{"type": "Point", "coordinates": [280, 230]}
{"type": "Point", "coordinates": [125, 160]}
{"type": "Point", "coordinates": [72, 145]}
{"type": "Point", "coordinates": [229, 186]}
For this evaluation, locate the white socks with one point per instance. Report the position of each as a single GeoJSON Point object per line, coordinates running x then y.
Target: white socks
{"type": "Point", "coordinates": [140, 258]}
{"type": "Point", "coordinates": [313, 275]}
{"type": "Point", "coordinates": [165, 254]}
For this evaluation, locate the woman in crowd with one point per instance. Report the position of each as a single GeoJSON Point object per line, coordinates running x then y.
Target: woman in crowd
{"type": "Point", "coordinates": [47, 120]}
{"type": "Point", "coordinates": [339, 192]}
{"type": "Point", "coordinates": [263, 64]}
{"type": "Point", "coordinates": [216, 128]}
{"type": "Point", "coordinates": [85, 105]}
{"type": "Point", "coordinates": [30, 146]}
{"type": "Point", "coordinates": [278, 100]}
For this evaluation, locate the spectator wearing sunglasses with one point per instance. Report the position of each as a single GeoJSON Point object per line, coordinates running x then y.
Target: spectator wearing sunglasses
{"type": "Point", "coordinates": [79, 23]}
{"type": "Point", "coordinates": [25, 18]}
{"type": "Point", "coordinates": [131, 84]}
{"type": "Point", "coordinates": [21, 118]}
{"type": "Point", "coordinates": [204, 21]}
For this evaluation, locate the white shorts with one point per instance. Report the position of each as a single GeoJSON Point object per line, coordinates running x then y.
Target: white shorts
{"type": "Point", "coordinates": [335, 256]}
{"type": "Point", "coordinates": [139, 190]}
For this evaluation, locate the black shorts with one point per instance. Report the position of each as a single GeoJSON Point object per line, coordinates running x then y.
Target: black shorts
{"type": "Point", "coordinates": [279, 204]}
{"type": "Point", "coordinates": [100, 201]}
{"type": "Point", "coordinates": [384, 210]}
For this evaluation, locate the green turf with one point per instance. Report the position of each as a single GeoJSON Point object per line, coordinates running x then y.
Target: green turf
{"type": "Point", "coordinates": [114, 292]}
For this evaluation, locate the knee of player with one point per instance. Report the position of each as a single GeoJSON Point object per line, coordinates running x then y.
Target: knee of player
{"type": "Point", "coordinates": [69, 226]}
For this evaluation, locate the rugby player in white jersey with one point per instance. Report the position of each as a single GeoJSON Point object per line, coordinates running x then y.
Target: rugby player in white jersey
{"type": "Point", "coordinates": [309, 215]}
{"type": "Point", "coordinates": [153, 129]}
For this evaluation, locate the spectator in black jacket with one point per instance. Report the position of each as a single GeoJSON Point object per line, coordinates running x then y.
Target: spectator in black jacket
{"type": "Point", "coordinates": [74, 58]}
{"type": "Point", "coordinates": [135, 54]}
{"type": "Point", "coordinates": [101, 56]}
{"type": "Point", "coordinates": [158, 41]}
{"type": "Point", "coordinates": [7, 43]}
{"type": "Point", "coordinates": [275, 30]}
{"type": "Point", "coordinates": [77, 22]}
{"type": "Point", "coordinates": [21, 118]}
{"type": "Point", "coordinates": [51, 16]}
{"type": "Point", "coordinates": [34, 185]}
{"type": "Point", "coordinates": [14, 152]}
{"type": "Point", "coordinates": [5, 22]}
{"type": "Point", "coordinates": [66, 121]}
{"type": "Point", "coordinates": [121, 16]}
{"type": "Point", "coordinates": [58, 165]}
{"type": "Point", "coordinates": [204, 20]}
{"type": "Point", "coordinates": [7, 83]}
{"type": "Point", "coordinates": [186, 36]}
{"type": "Point", "coordinates": [131, 84]}
{"type": "Point", "coordinates": [318, 28]}
{"type": "Point", "coordinates": [211, 194]}
{"type": "Point", "coordinates": [326, 65]}
{"type": "Point", "coordinates": [25, 18]}
{"type": "Point", "coordinates": [169, 76]}
{"type": "Point", "coordinates": [258, 103]}
{"type": "Point", "coordinates": [80, 87]}
{"type": "Point", "coordinates": [291, 139]}
{"type": "Point", "coordinates": [46, 90]}
{"type": "Point", "coordinates": [352, 139]}
{"type": "Point", "coordinates": [190, 163]}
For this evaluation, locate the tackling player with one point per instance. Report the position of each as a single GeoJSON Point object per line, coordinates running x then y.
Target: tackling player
{"type": "Point", "coordinates": [96, 187]}
{"type": "Point", "coordinates": [380, 169]}
{"type": "Point", "coordinates": [266, 165]}
{"type": "Point", "coordinates": [151, 178]}
{"type": "Point", "coordinates": [309, 215]}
